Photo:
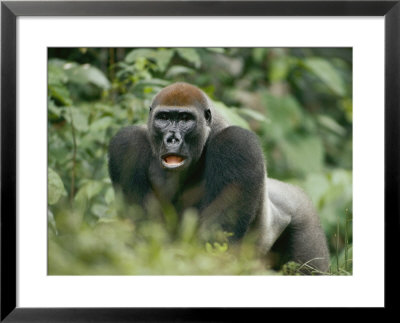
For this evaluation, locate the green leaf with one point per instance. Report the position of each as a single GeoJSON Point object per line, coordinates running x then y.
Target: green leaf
{"type": "Point", "coordinates": [218, 50]}
{"type": "Point", "coordinates": [136, 54]}
{"type": "Point", "coordinates": [89, 190]}
{"type": "Point", "coordinates": [56, 73]}
{"type": "Point", "coordinates": [230, 115]}
{"type": "Point", "coordinates": [347, 106]}
{"type": "Point", "coordinates": [331, 124]}
{"type": "Point", "coordinates": [316, 185]}
{"type": "Point", "coordinates": [152, 82]}
{"type": "Point", "coordinates": [61, 93]}
{"type": "Point", "coordinates": [190, 55]}
{"type": "Point", "coordinates": [327, 73]}
{"type": "Point", "coordinates": [163, 57]}
{"type": "Point", "coordinates": [188, 225]}
{"type": "Point", "coordinates": [78, 118]}
{"type": "Point", "coordinates": [109, 197]}
{"type": "Point", "coordinates": [100, 210]}
{"type": "Point", "coordinates": [259, 54]}
{"type": "Point", "coordinates": [87, 73]}
{"type": "Point", "coordinates": [55, 187]}
{"type": "Point", "coordinates": [209, 247]}
{"type": "Point", "coordinates": [51, 221]}
{"type": "Point", "coordinates": [279, 69]}
{"type": "Point", "coordinates": [304, 154]}
{"type": "Point", "coordinates": [285, 114]}
{"type": "Point", "coordinates": [216, 247]}
{"type": "Point", "coordinates": [253, 114]}
{"type": "Point", "coordinates": [53, 109]}
{"type": "Point", "coordinates": [221, 247]}
{"type": "Point", "coordinates": [176, 70]}
{"type": "Point", "coordinates": [101, 124]}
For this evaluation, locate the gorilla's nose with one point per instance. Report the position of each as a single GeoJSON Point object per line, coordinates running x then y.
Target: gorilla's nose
{"type": "Point", "coordinates": [173, 138]}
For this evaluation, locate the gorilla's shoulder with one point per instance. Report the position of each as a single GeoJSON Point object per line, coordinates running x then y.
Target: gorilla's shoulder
{"type": "Point", "coordinates": [236, 152]}
{"type": "Point", "coordinates": [130, 135]}
{"type": "Point", "coordinates": [129, 143]}
{"type": "Point", "coordinates": [236, 140]}
{"type": "Point", "coordinates": [129, 131]}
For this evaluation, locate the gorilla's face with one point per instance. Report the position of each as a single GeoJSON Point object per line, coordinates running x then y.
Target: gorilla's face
{"type": "Point", "coordinates": [179, 125]}
{"type": "Point", "coordinates": [178, 135]}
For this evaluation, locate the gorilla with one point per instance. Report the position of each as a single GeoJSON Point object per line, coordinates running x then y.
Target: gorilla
{"type": "Point", "coordinates": [188, 156]}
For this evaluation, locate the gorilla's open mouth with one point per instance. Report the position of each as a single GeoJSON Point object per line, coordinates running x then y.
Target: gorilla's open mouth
{"type": "Point", "coordinates": [172, 161]}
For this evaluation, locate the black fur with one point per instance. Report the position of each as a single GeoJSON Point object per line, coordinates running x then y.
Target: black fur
{"type": "Point", "coordinates": [234, 174]}
{"type": "Point", "coordinates": [129, 155]}
{"type": "Point", "coordinates": [225, 185]}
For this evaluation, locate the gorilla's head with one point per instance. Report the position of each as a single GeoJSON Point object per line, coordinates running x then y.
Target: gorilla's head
{"type": "Point", "coordinates": [179, 125]}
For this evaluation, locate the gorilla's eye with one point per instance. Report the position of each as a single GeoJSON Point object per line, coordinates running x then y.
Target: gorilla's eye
{"type": "Point", "coordinates": [162, 116]}
{"type": "Point", "coordinates": [185, 117]}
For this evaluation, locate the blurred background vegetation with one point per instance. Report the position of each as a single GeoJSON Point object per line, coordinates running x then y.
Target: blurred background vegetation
{"type": "Point", "coordinates": [297, 100]}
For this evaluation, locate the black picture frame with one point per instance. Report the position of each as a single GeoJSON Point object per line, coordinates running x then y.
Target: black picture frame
{"type": "Point", "coordinates": [11, 10]}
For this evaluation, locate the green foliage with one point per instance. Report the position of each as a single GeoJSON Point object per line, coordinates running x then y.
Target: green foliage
{"type": "Point", "coordinates": [120, 246]}
{"type": "Point", "coordinates": [297, 100]}
{"type": "Point", "coordinates": [55, 187]}
{"type": "Point", "coordinates": [324, 70]}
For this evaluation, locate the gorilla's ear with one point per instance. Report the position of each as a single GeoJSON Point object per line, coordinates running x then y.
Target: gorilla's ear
{"type": "Point", "coordinates": [207, 115]}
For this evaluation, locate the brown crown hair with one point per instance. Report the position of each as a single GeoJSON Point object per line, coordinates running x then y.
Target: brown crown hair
{"type": "Point", "coordinates": [180, 95]}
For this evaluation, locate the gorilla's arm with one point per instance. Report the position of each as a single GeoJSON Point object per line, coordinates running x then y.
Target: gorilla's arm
{"type": "Point", "coordinates": [234, 179]}
{"type": "Point", "coordinates": [129, 156]}
{"type": "Point", "coordinates": [303, 240]}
